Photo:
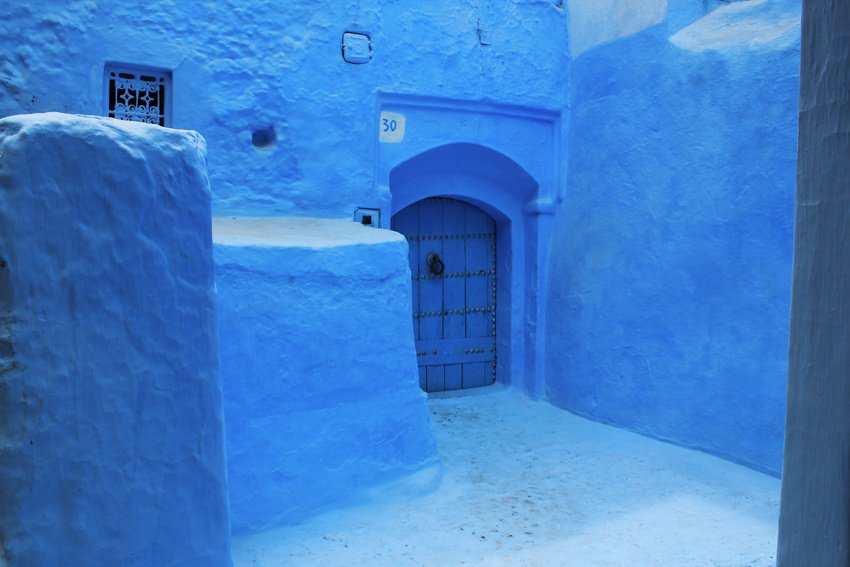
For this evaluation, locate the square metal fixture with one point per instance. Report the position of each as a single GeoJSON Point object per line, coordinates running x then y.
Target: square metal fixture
{"type": "Point", "coordinates": [356, 47]}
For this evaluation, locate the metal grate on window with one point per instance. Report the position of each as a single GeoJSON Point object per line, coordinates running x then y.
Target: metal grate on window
{"type": "Point", "coordinates": [138, 94]}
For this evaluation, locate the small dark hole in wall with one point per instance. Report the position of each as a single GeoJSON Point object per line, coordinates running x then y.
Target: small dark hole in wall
{"type": "Point", "coordinates": [367, 219]}
{"type": "Point", "coordinates": [264, 137]}
{"type": "Point", "coordinates": [6, 350]}
{"type": "Point", "coordinates": [5, 289]}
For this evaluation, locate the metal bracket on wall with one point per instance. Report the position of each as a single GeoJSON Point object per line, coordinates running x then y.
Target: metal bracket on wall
{"type": "Point", "coordinates": [368, 216]}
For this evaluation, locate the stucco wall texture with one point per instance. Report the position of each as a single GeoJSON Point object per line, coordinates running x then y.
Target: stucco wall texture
{"type": "Point", "coordinates": [111, 432]}
{"type": "Point", "coordinates": [666, 295]}
{"type": "Point", "coordinates": [671, 263]}
{"type": "Point", "coordinates": [240, 65]}
{"type": "Point", "coordinates": [321, 391]}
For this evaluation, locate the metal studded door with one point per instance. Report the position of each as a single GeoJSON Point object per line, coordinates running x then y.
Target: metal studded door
{"type": "Point", "coordinates": [453, 266]}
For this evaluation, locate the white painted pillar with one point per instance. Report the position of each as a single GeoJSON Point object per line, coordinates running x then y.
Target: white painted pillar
{"type": "Point", "coordinates": [814, 525]}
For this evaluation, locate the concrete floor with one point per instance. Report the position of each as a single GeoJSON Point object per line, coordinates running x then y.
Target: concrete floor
{"type": "Point", "coordinates": [524, 483]}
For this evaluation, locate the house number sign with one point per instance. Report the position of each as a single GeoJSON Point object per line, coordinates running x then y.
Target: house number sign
{"type": "Point", "coordinates": [391, 127]}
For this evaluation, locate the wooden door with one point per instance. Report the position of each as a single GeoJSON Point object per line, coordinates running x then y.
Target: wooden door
{"type": "Point", "coordinates": [453, 266]}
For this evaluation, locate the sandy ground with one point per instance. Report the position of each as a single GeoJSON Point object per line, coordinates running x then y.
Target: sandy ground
{"type": "Point", "coordinates": [526, 484]}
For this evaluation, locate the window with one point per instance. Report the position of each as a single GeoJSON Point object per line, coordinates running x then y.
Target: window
{"type": "Point", "coordinates": [138, 94]}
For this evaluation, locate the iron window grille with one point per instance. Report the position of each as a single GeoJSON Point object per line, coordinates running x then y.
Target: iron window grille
{"type": "Point", "coordinates": [138, 94]}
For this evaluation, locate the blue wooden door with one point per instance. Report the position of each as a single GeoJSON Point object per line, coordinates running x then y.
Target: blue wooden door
{"type": "Point", "coordinates": [453, 266]}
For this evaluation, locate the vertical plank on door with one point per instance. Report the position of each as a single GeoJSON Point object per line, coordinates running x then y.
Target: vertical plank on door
{"type": "Point", "coordinates": [431, 289]}
{"type": "Point", "coordinates": [490, 369]}
{"type": "Point", "coordinates": [479, 260]}
{"type": "Point", "coordinates": [454, 290]}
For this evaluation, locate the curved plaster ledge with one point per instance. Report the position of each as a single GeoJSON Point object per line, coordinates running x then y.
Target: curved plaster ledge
{"type": "Point", "coordinates": [322, 398]}
{"type": "Point", "coordinates": [296, 232]}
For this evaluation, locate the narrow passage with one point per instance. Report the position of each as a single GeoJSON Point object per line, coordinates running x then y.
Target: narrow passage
{"type": "Point", "coordinates": [527, 484]}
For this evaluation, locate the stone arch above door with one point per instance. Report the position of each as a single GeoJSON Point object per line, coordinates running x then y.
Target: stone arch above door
{"type": "Point", "coordinates": [477, 173]}
{"type": "Point", "coordinates": [517, 148]}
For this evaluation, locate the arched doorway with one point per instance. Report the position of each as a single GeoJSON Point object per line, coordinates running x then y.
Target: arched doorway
{"type": "Point", "coordinates": [453, 269]}
{"type": "Point", "coordinates": [501, 188]}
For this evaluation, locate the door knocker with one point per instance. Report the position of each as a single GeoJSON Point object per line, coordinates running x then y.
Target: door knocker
{"type": "Point", "coordinates": [435, 265]}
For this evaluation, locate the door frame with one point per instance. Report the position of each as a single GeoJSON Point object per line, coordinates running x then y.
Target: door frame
{"type": "Point", "coordinates": [507, 160]}
{"type": "Point", "coordinates": [520, 264]}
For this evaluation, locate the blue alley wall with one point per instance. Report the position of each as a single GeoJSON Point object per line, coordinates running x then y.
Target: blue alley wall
{"type": "Point", "coordinates": [321, 391]}
{"type": "Point", "coordinates": [662, 305]}
{"type": "Point", "coordinates": [671, 259]}
{"type": "Point", "coordinates": [245, 65]}
{"type": "Point", "coordinates": [482, 72]}
{"type": "Point", "coordinates": [111, 426]}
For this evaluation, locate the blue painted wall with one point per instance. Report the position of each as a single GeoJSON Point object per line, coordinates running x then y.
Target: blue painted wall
{"type": "Point", "coordinates": [111, 426]}
{"type": "Point", "coordinates": [321, 389]}
{"type": "Point", "coordinates": [671, 257]}
{"type": "Point", "coordinates": [243, 65]}
{"type": "Point", "coordinates": [480, 72]}
{"type": "Point", "coordinates": [655, 296]}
